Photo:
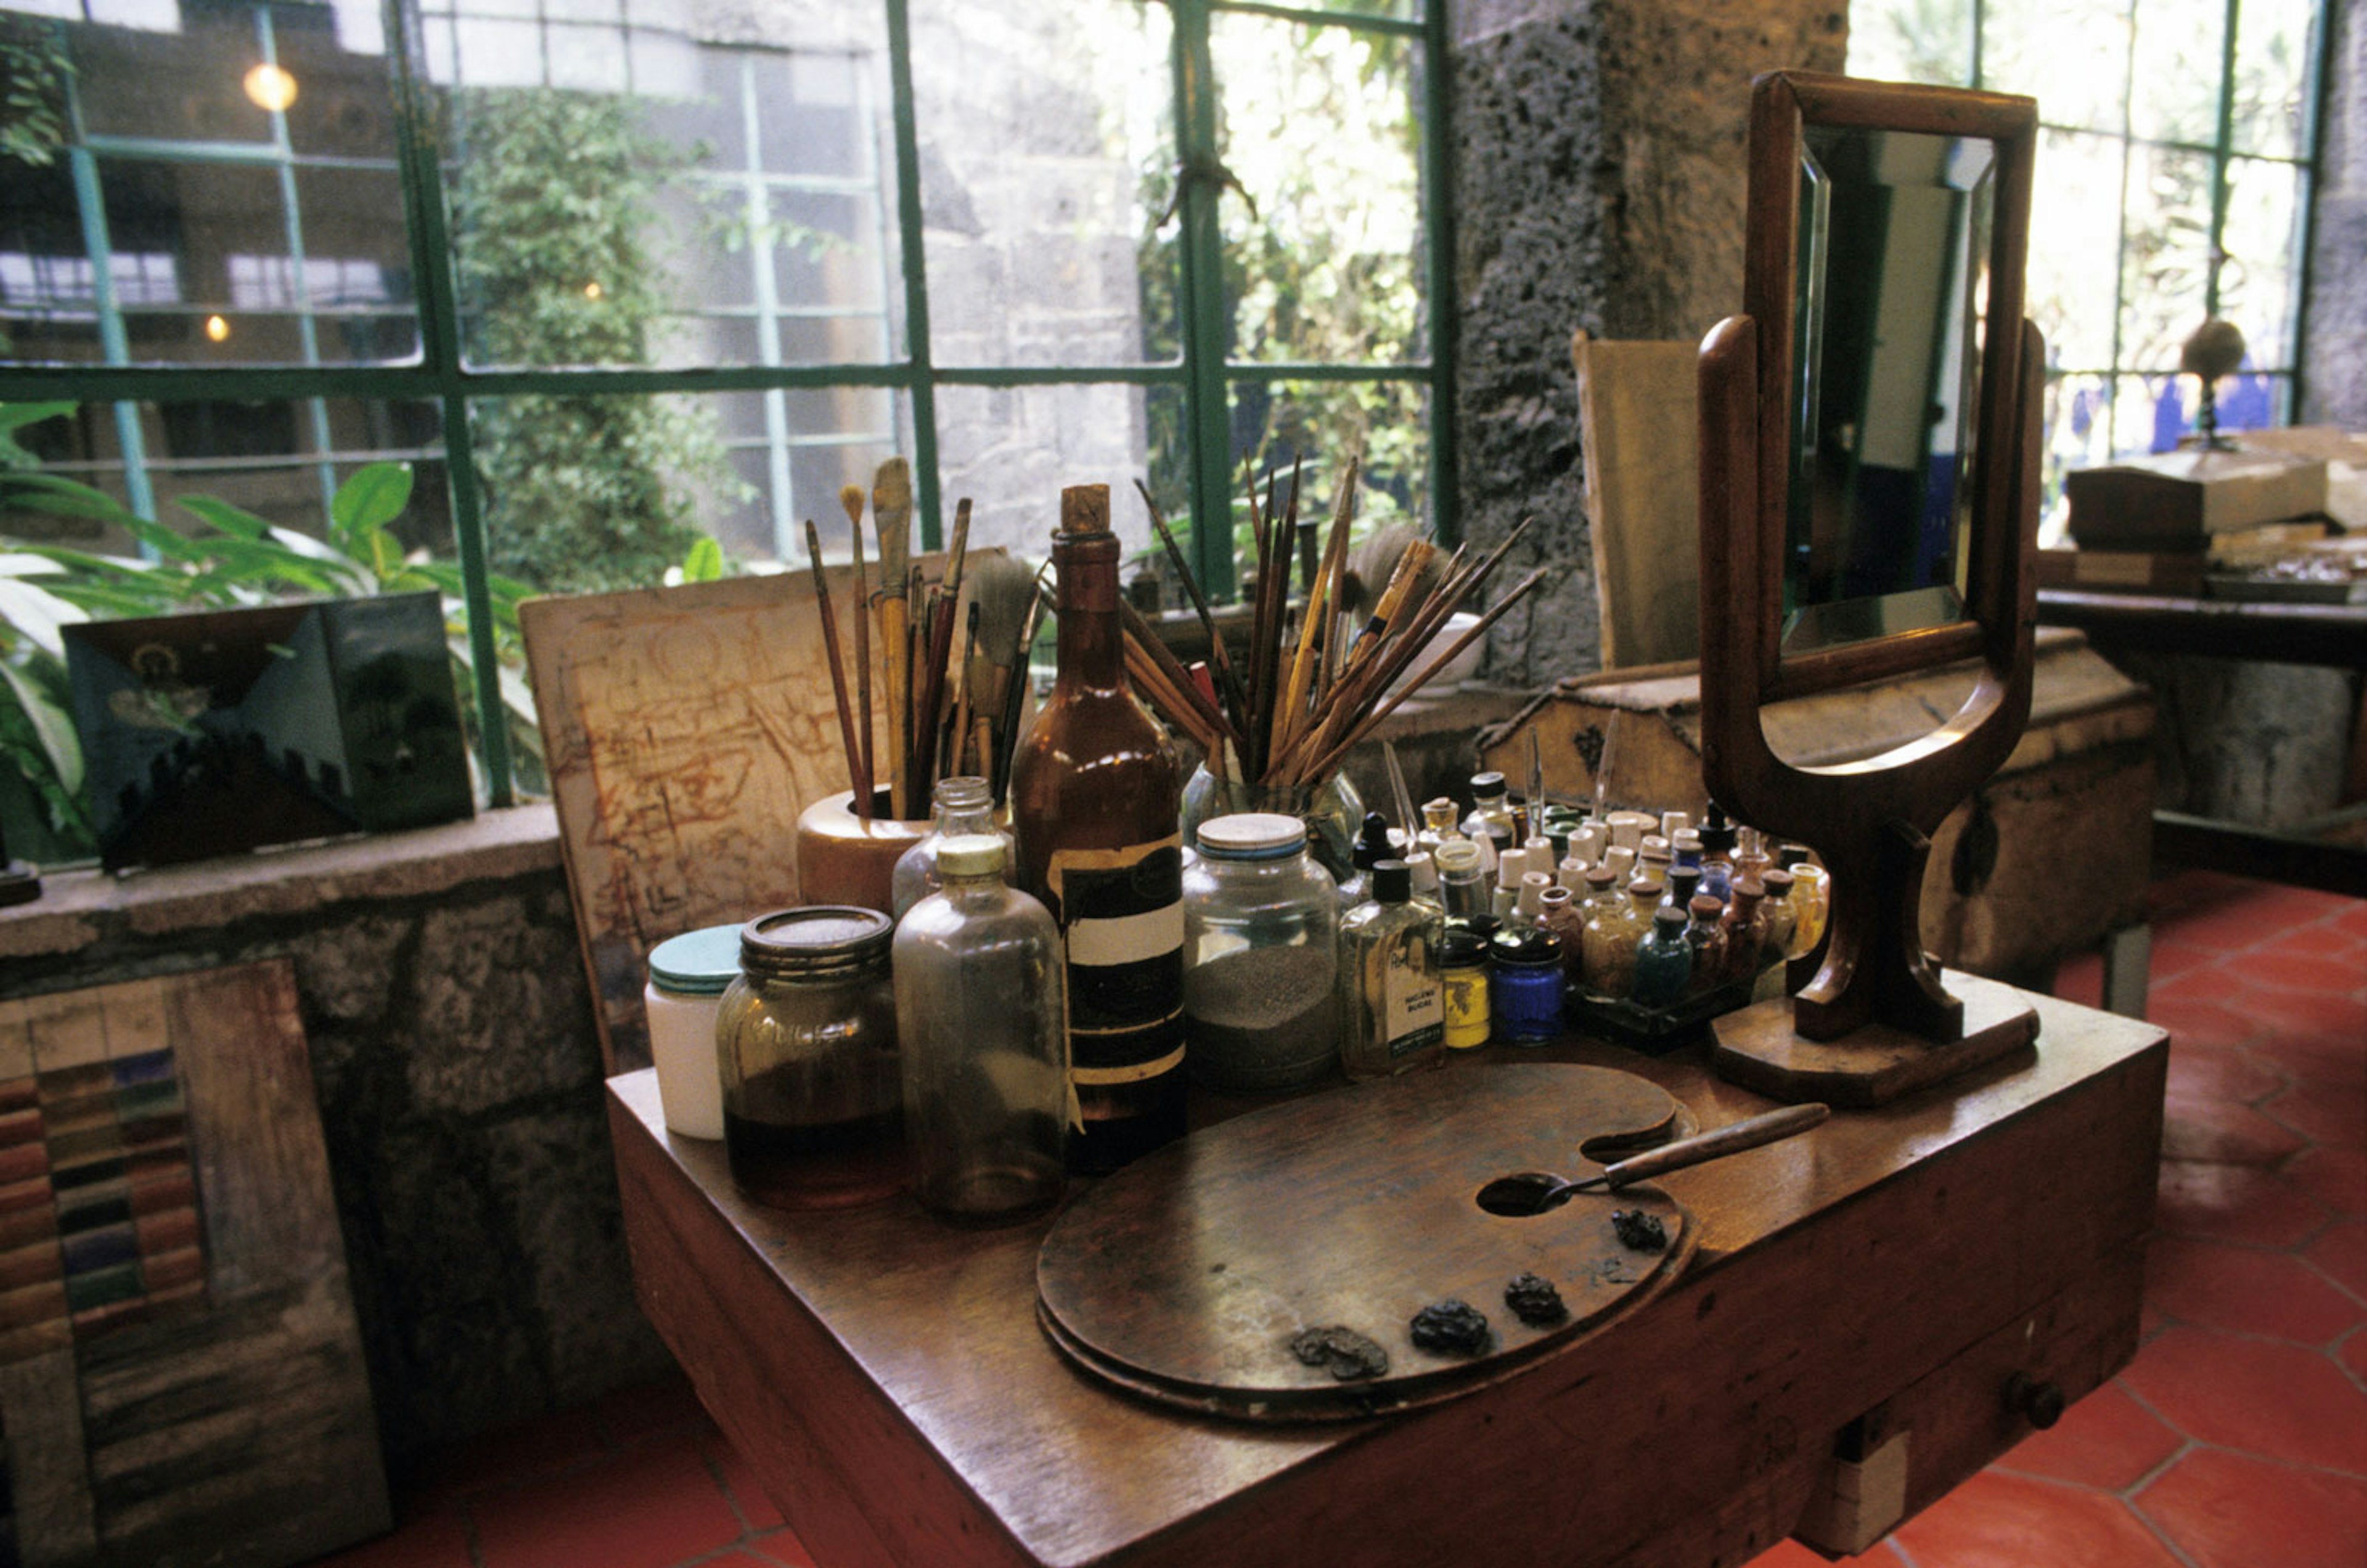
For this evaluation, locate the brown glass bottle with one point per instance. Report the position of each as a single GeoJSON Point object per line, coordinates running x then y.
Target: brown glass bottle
{"type": "Point", "coordinates": [1095, 789]}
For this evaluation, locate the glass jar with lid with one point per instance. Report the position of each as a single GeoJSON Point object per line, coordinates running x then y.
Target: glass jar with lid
{"type": "Point", "coordinates": [963, 805]}
{"type": "Point", "coordinates": [813, 1093]}
{"type": "Point", "coordinates": [1261, 936]}
{"type": "Point", "coordinates": [983, 1032]}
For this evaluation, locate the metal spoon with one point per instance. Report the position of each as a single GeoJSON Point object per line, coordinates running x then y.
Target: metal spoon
{"type": "Point", "coordinates": [1535, 1191]}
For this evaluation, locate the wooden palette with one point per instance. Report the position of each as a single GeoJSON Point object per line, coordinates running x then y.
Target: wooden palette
{"type": "Point", "coordinates": [1185, 1277]}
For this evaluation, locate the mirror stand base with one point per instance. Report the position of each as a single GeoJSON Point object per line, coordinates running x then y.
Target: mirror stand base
{"type": "Point", "coordinates": [1758, 1048]}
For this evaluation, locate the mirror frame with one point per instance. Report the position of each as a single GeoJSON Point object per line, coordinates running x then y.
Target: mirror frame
{"type": "Point", "coordinates": [1871, 819]}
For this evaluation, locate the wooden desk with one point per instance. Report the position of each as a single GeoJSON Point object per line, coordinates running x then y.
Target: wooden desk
{"type": "Point", "coordinates": [885, 1374]}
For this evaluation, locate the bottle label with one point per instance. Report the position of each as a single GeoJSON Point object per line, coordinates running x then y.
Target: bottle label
{"type": "Point", "coordinates": [1121, 914]}
{"type": "Point", "coordinates": [1415, 1003]}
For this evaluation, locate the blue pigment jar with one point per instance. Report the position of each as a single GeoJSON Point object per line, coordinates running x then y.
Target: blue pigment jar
{"type": "Point", "coordinates": [1524, 986]}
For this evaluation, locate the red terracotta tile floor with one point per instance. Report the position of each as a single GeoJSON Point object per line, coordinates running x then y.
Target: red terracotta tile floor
{"type": "Point", "coordinates": [2238, 1439]}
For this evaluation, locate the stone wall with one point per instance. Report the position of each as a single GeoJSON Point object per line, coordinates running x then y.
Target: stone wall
{"type": "Point", "coordinates": [458, 1069]}
{"type": "Point", "coordinates": [2334, 352]}
{"type": "Point", "coordinates": [1599, 183]}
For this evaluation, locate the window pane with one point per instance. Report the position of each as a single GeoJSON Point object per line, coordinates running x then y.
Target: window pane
{"type": "Point", "coordinates": [1912, 41]}
{"type": "Point", "coordinates": [2078, 418]}
{"type": "Point", "coordinates": [2073, 59]}
{"type": "Point", "coordinates": [2274, 46]}
{"type": "Point", "coordinates": [279, 459]}
{"type": "Point", "coordinates": [2262, 239]}
{"type": "Point", "coordinates": [269, 251]}
{"type": "Point", "coordinates": [2165, 264]}
{"type": "Point", "coordinates": [2075, 229]}
{"type": "Point", "coordinates": [1324, 423]}
{"type": "Point", "coordinates": [2174, 94]}
{"type": "Point", "coordinates": [1048, 150]}
{"type": "Point", "coordinates": [1320, 125]}
{"type": "Point", "coordinates": [1011, 449]}
{"type": "Point", "coordinates": [586, 493]}
{"type": "Point", "coordinates": [734, 207]}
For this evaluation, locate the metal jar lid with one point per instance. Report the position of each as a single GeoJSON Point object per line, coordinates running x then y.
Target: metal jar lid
{"type": "Point", "coordinates": [816, 942]}
{"type": "Point", "coordinates": [696, 964]}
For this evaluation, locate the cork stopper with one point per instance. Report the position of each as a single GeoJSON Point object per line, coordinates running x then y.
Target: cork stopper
{"type": "Point", "coordinates": [1084, 509]}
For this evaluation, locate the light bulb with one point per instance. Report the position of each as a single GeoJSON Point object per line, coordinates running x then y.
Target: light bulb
{"type": "Point", "coordinates": [269, 87]}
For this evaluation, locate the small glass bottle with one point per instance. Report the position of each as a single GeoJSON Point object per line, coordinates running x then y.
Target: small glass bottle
{"type": "Point", "coordinates": [1492, 813]}
{"type": "Point", "coordinates": [1602, 897]}
{"type": "Point", "coordinates": [1717, 837]}
{"type": "Point", "coordinates": [1562, 914]}
{"type": "Point", "coordinates": [1664, 964]}
{"type": "Point", "coordinates": [1463, 977]}
{"type": "Point", "coordinates": [1510, 865]}
{"type": "Point", "coordinates": [1746, 931]}
{"type": "Point", "coordinates": [1462, 887]}
{"type": "Point", "coordinates": [813, 1089]}
{"type": "Point", "coordinates": [1438, 825]}
{"type": "Point", "coordinates": [1684, 882]}
{"type": "Point", "coordinates": [1392, 997]}
{"type": "Point", "coordinates": [1750, 857]}
{"type": "Point", "coordinates": [1612, 935]}
{"type": "Point", "coordinates": [688, 975]}
{"type": "Point", "coordinates": [959, 805]}
{"type": "Point", "coordinates": [1782, 918]}
{"type": "Point", "coordinates": [1371, 847]}
{"type": "Point", "coordinates": [1811, 898]}
{"type": "Point", "coordinates": [1261, 937]}
{"type": "Point", "coordinates": [1707, 940]}
{"type": "Point", "coordinates": [980, 1017]}
{"type": "Point", "coordinates": [1524, 986]}
{"type": "Point", "coordinates": [1686, 849]}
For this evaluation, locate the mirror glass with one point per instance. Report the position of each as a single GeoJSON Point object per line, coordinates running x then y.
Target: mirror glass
{"type": "Point", "coordinates": [1891, 282]}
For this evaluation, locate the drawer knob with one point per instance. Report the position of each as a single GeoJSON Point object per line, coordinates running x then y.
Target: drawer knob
{"type": "Point", "coordinates": [2041, 1404]}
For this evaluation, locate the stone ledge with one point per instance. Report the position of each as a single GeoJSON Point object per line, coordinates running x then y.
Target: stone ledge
{"type": "Point", "coordinates": [78, 908]}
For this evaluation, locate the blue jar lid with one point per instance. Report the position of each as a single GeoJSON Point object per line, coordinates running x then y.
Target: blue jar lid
{"type": "Point", "coordinates": [700, 962]}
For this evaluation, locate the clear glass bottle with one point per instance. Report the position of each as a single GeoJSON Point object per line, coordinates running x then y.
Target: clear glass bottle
{"type": "Point", "coordinates": [960, 804]}
{"type": "Point", "coordinates": [1782, 918]}
{"type": "Point", "coordinates": [1261, 940]}
{"type": "Point", "coordinates": [1438, 825]}
{"type": "Point", "coordinates": [1462, 887]}
{"type": "Point", "coordinates": [982, 1025]}
{"type": "Point", "coordinates": [1717, 837]}
{"type": "Point", "coordinates": [1096, 791]}
{"type": "Point", "coordinates": [1664, 964]}
{"type": "Point", "coordinates": [1562, 914]}
{"type": "Point", "coordinates": [1393, 1002]}
{"type": "Point", "coordinates": [813, 1089]}
{"type": "Point", "coordinates": [1492, 813]}
{"type": "Point", "coordinates": [1602, 898]}
{"type": "Point", "coordinates": [1463, 975]}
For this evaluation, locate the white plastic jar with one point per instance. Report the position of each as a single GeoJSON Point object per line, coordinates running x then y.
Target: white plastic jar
{"type": "Point", "coordinates": [687, 975]}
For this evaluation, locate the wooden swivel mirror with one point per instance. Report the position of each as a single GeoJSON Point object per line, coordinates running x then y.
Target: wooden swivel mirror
{"type": "Point", "coordinates": [1869, 497]}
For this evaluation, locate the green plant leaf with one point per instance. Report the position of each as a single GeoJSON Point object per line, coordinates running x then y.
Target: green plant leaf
{"type": "Point", "coordinates": [704, 563]}
{"type": "Point", "coordinates": [62, 497]}
{"type": "Point", "coordinates": [51, 726]}
{"type": "Point", "coordinates": [224, 515]}
{"type": "Point", "coordinates": [371, 498]}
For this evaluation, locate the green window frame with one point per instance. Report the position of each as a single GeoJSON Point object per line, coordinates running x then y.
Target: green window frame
{"type": "Point", "coordinates": [1202, 374]}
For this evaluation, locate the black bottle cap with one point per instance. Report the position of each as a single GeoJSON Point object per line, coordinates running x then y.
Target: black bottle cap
{"type": "Point", "coordinates": [1460, 949]}
{"type": "Point", "coordinates": [1526, 946]}
{"type": "Point", "coordinates": [1392, 879]}
{"type": "Point", "coordinates": [1484, 927]}
{"type": "Point", "coordinates": [1484, 785]}
{"type": "Point", "coordinates": [1373, 846]}
{"type": "Point", "coordinates": [1717, 832]}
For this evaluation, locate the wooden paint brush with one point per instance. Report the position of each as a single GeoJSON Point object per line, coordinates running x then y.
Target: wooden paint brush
{"type": "Point", "coordinates": [850, 500]}
{"type": "Point", "coordinates": [837, 669]}
{"type": "Point", "coordinates": [891, 514]}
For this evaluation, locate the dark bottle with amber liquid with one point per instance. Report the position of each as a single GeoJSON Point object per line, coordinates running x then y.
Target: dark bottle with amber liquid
{"type": "Point", "coordinates": [1095, 789]}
